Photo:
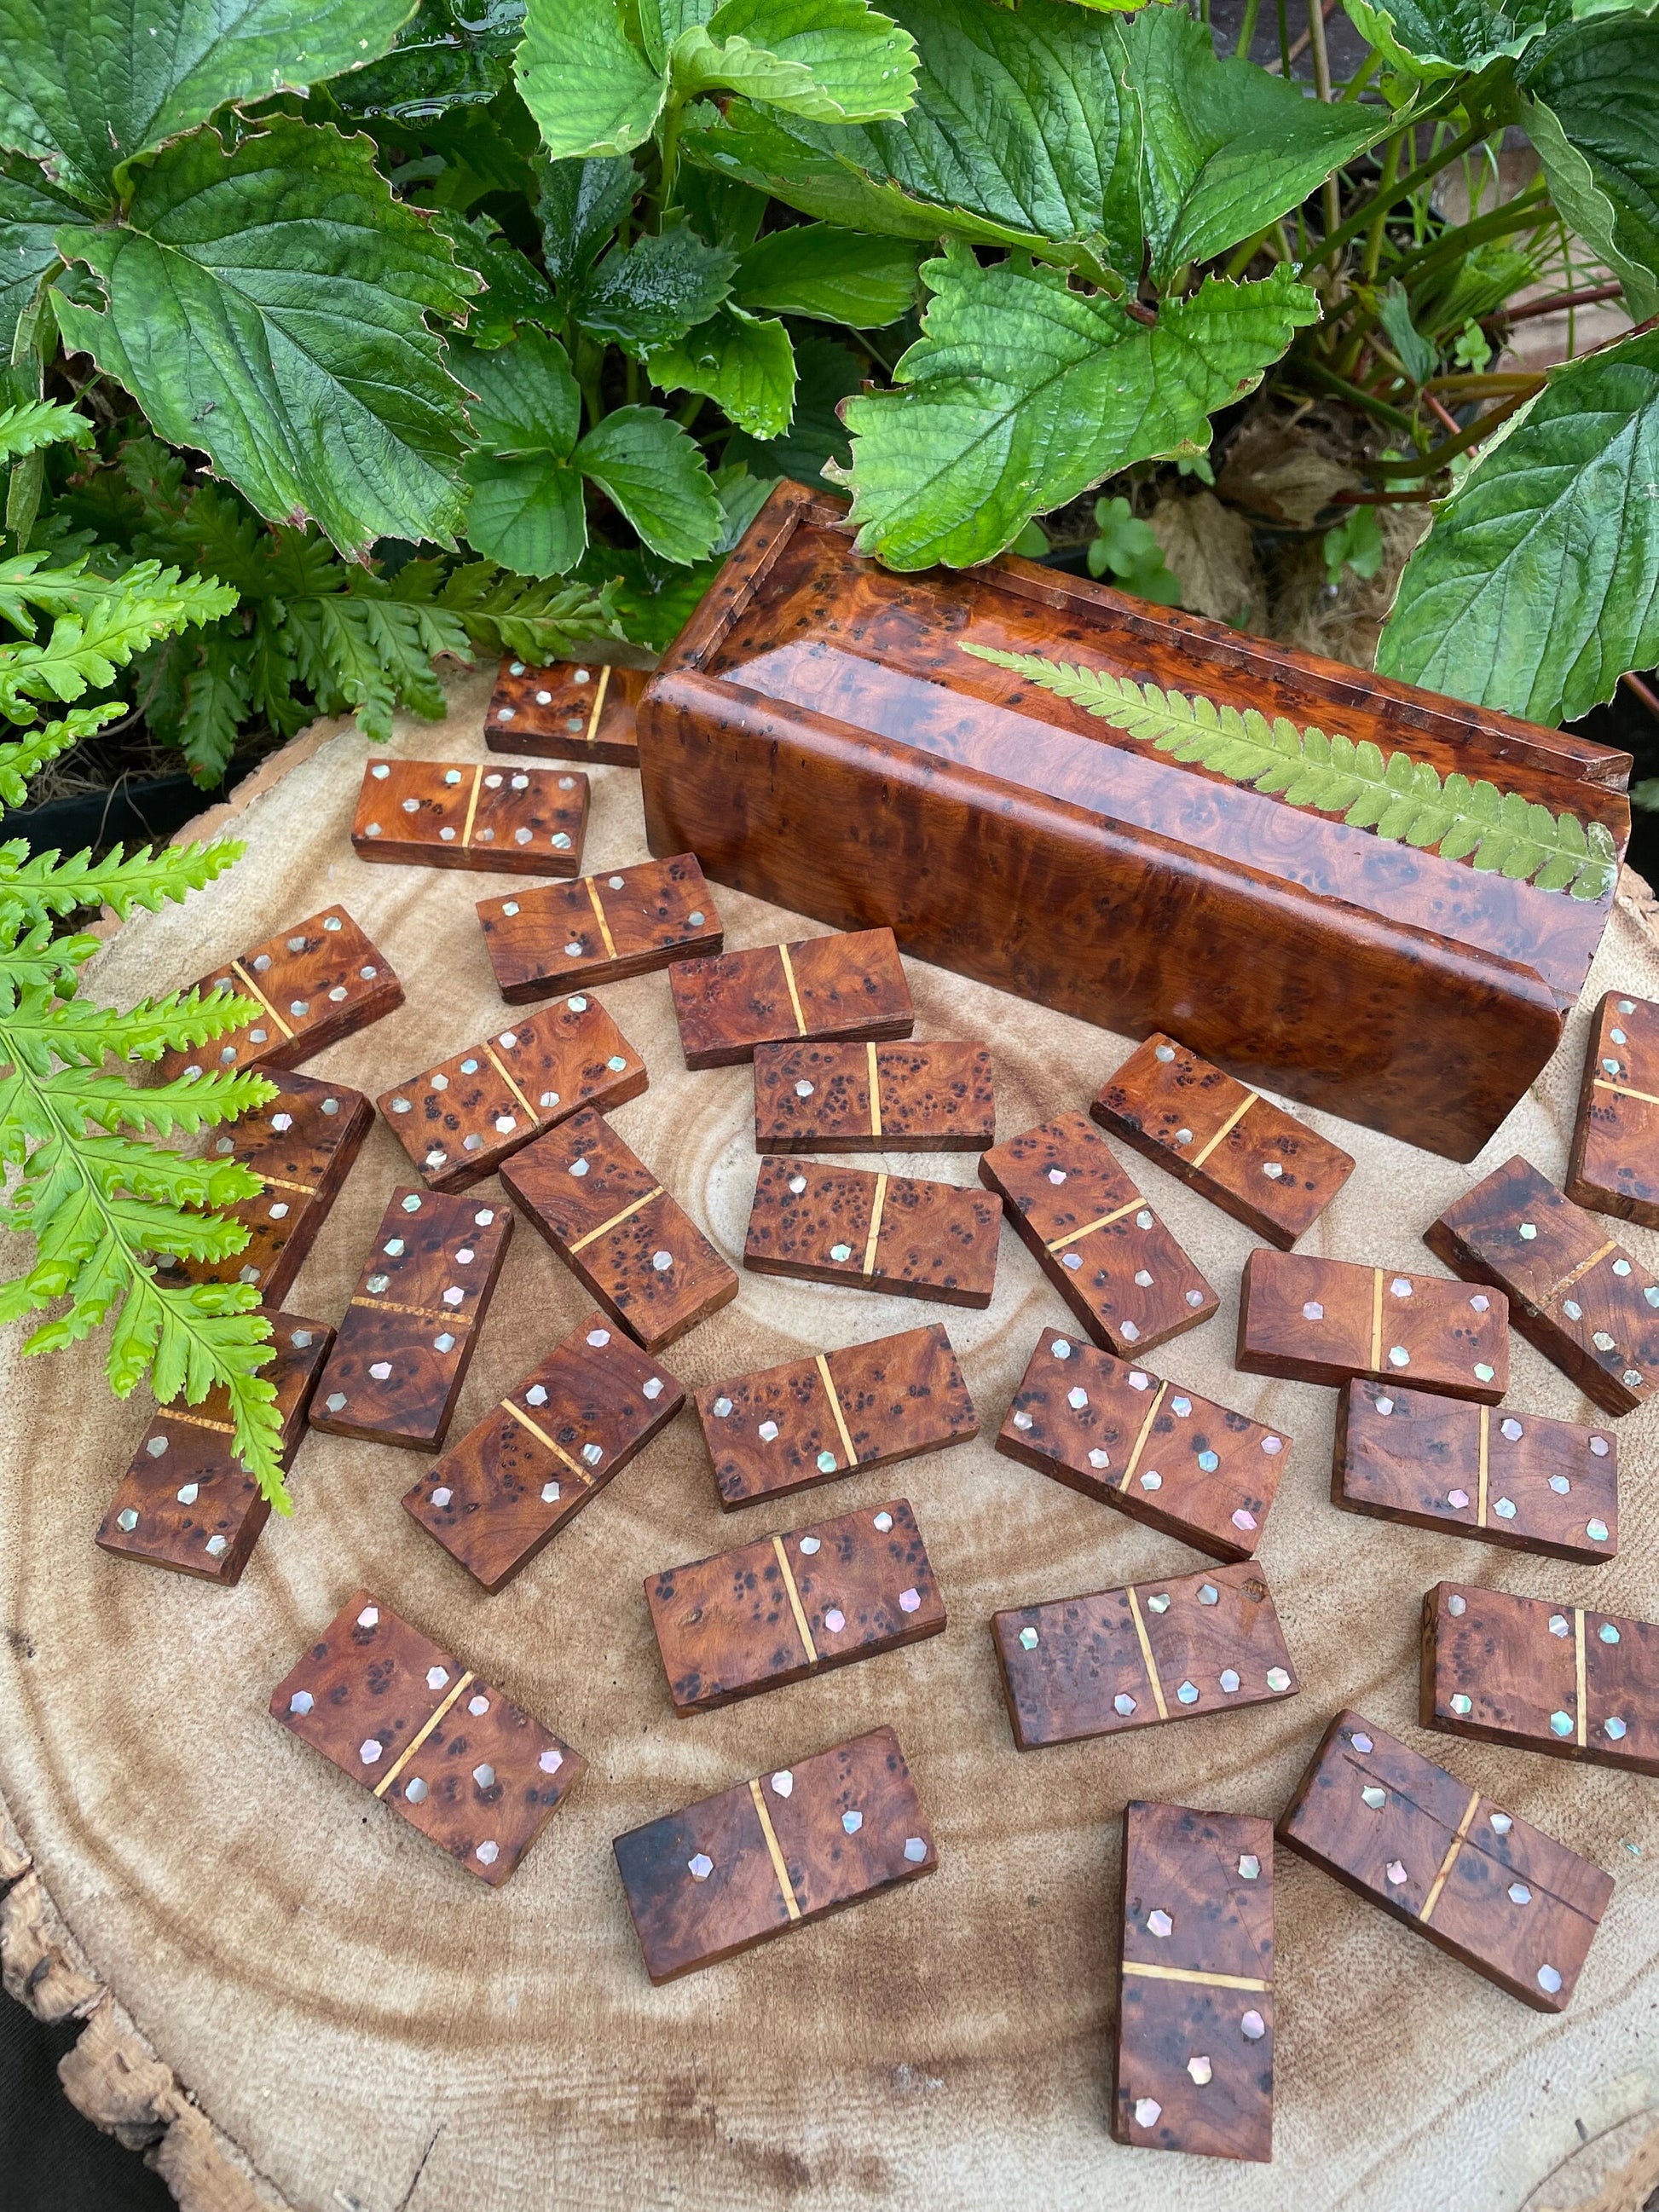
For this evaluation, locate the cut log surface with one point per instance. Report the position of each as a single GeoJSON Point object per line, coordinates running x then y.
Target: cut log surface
{"type": "Point", "coordinates": [298, 2002]}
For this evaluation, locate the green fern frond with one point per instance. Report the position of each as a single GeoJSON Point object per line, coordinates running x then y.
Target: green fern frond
{"type": "Point", "coordinates": [32, 424]}
{"type": "Point", "coordinates": [83, 1034]}
{"type": "Point", "coordinates": [31, 890]}
{"type": "Point", "coordinates": [1402, 799]}
{"type": "Point", "coordinates": [25, 757]}
{"type": "Point", "coordinates": [541, 622]}
{"type": "Point", "coordinates": [111, 619]}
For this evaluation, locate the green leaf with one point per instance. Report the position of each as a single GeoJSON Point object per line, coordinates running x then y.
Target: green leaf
{"type": "Point", "coordinates": [24, 756]}
{"type": "Point", "coordinates": [832, 275]}
{"type": "Point", "coordinates": [1023, 392]}
{"type": "Point", "coordinates": [590, 90]}
{"type": "Point", "coordinates": [1593, 115]}
{"type": "Point", "coordinates": [579, 205]}
{"type": "Point", "coordinates": [217, 701]}
{"type": "Point", "coordinates": [32, 424]}
{"type": "Point", "coordinates": [1393, 311]}
{"type": "Point", "coordinates": [741, 497]}
{"type": "Point", "coordinates": [1538, 586]}
{"type": "Point", "coordinates": [503, 613]}
{"type": "Point", "coordinates": [1021, 134]}
{"type": "Point", "coordinates": [1228, 147]}
{"type": "Point", "coordinates": [526, 506]}
{"type": "Point", "coordinates": [653, 600]}
{"type": "Point", "coordinates": [832, 61]}
{"type": "Point", "coordinates": [89, 84]}
{"type": "Point", "coordinates": [31, 215]}
{"type": "Point", "coordinates": [448, 55]}
{"type": "Point", "coordinates": [112, 620]}
{"type": "Point", "coordinates": [745, 365]}
{"type": "Point", "coordinates": [513, 289]}
{"type": "Point", "coordinates": [656, 291]}
{"type": "Point", "coordinates": [656, 478]}
{"type": "Point", "coordinates": [268, 304]}
{"type": "Point", "coordinates": [825, 375]}
{"type": "Point", "coordinates": [1431, 38]}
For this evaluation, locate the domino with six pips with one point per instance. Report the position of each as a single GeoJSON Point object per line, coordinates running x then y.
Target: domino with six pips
{"type": "Point", "coordinates": [315, 982]}
{"type": "Point", "coordinates": [847, 985]}
{"type": "Point", "coordinates": [828, 1097]}
{"type": "Point", "coordinates": [627, 921]}
{"type": "Point", "coordinates": [1614, 1163]}
{"type": "Point", "coordinates": [1322, 1321]}
{"type": "Point", "coordinates": [438, 814]}
{"type": "Point", "coordinates": [569, 710]}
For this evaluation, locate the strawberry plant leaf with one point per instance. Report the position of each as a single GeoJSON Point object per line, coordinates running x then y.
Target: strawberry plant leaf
{"type": "Point", "coordinates": [656, 478]}
{"type": "Point", "coordinates": [31, 212]}
{"type": "Point", "coordinates": [526, 506]}
{"type": "Point", "coordinates": [589, 87]}
{"type": "Point", "coordinates": [745, 365]}
{"type": "Point", "coordinates": [831, 275]}
{"type": "Point", "coordinates": [579, 205]}
{"type": "Point", "coordinates": [655, 292]}
{"type": "Point", "coordinates": [1593, 115]}
{"type": "Point", "coordinates": [832, 61]}
{"type": "Point", "coordinates": [1432, 38]}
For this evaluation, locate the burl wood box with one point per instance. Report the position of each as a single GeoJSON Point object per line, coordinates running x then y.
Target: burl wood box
{"type": "Point", "coordinates": [818, 737]}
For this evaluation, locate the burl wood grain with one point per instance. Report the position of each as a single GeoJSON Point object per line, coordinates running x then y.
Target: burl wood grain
{"type": "Point", "coordinates": [319, 980]}
{"type": "Point", "coordinates": [849, 985]}
{"type": "Point", "coordinates": [874, 1098]}
{"type": "Point", "coordinates": [1501, 1476]}
{"type": "Point", "coordinates": [504, 1491]}
{"type": "Point", "coordinates": [765, 1613]}
{"type": "Point", "coordinates": [186, 1501]}
{"type": "Point", "coordinates": [460, 1762]}
{"type": "Point", "coordinates": [436, 814]}
{"type": "Point", "coordinates": [1095, 1237]}
{"type": "Point", "coordinates": [810, 1420]}
{"type": "Point", "coordinates": [629, 922]}
{"type": "Point", "coordinates": [572, 710]}
{"type": "Point", "coordinates": [1614, 1166]}
{"type": "Point", "coordinates": [1160, 1453]}
{"type": "Point", "coordinates": [873, 1230]}
{"type": "Point", "coordinates": [409, 1334]}
{"type": "Point", "coordinates": [461, 1120]}
{"type": "Point", "coordinates": [617, 1229]}
{"type": "Point", "coordinates": [1574, 1292]}
{"type": "Point", "coordinates": [788, 1846]}
{"type": "Point", "coordinates": [1194, 2067]}
{"type": "Point", "coordinates": [1222, 1139]}
{"type": "Point", "coordinates": [1132, 1658]}
{"type": "Point", "coordinates": [303, 1142]}
{"type": "Point", "coordinates": [1482, 1883]}
{"type": "Point", "coordinates": [1322, 1321]}
{"type": "Point", "coordinates": [890, 778]}
{"type": "Point", "coordinates": [1542, 1676]}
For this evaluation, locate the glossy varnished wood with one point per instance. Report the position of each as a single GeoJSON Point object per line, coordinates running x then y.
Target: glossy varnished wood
{"type": "Point", "coordinates": [1480, 1883]}
{"type": "Point", "coordinates": [459, 1761]}
{"type": "Point", "coordinates": [410, 1330]}
{"type": "Point", "coordinates": [442, 814]}
{"type": "Point", "coordinates": [1541, 1675]}
{"type": "Point", "coordinates": [788, 1846]}
{"type": "Point", "coordinates": [461, 1120]}
{"type": "Point", "coordinates": [1497, 1473]}
{"type": "Point", "coordinates": [1322, 1321]}
{"type": "Point", "coordinates": [626, 922]}
{"type": "Point", "coordinates": [1194, 2065]}
{"type": "Point", "coordinates": [317, 981]}
{"type": "Point", "coordinates": [874, 1231]}
{"type": "Point", "coordinates": [887, 777]}
{"type": "Point", "coordinates": [523, 1473]}
{"type": "Point", "coordinates": [847, 986]}
{"type": "Point", "coordinates": [1574, 1292]}
{"type": "Point", "coordinates": [1156, 1451]}
{"type": "Point", "coordinates": [1095, 1237]}
{"type": "Point", "coordinates": [571, 710]}
{"type": "Point", "coordinates": [617, 1229]}
{"type": "Point", "coordinates": [874, 1098]}
{"type": "Point", "coordinates": [1615, 1167]}
{"type": "Point", "coordinates": [186, 1501]}
{"type": "Point", "coordinates": [1224, 1140]}
{"type": "Point", "coordinates": [1131, 1658]}
{"type": "Point", "coordinates": [769, 1613]}
{"type": "Point", "coordinates": [810, 1421]}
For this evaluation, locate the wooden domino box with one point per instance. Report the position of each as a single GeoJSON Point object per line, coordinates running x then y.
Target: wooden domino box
{"type": "Point", "coordinates": [810, 1421]}
{"type": "Point", "coordinates": [503, 1492]}
{"type": "Point", "coordinates": [765, 1613]}
{"type": "Point", "coordinates": [1194, 2055]}
{"type": "Point", "coordinates": [463, 1765]}
{"type": "Point", "coordinates": [1614, 1164]}
{"type": "Point", "coordinates": [1223, 1140]}
{"type": "Point", "coordinates": [411, 1329]}
{"type": "Point", "coordinates": [317, 981]}
{"type": "Point", "coordinates": [1159, 1453]}
{"type": "Point", "coordinates": [768, 1854]}
{"type": "Point", "coordinates": [461, 1120]}
{"type": "Point", "coordinates": [1542, 1676]}
{"type": "Point", "coordinates": [1574, 1292]}
{"type": "Point", "coordinates": [874, 1231]}
{"type": "Point", "coordinates": [1095, 1237]}
{"type": "Point", "coordinates": [823, 1097]}
{"type": "Point", "coordinates": [629, 922]}
{"type": "Point", "coordinates": [619, 1232]}
{"type": "Point", "coordinates": [1482, 1883]}
{"type": "Point", "coordinates": [303, 1142]}
{"type": "Point", "coordinates": [436, 814]}
{"type": "Point", "coordinates": [849, 985]}
{"type": "Point", "coordinates": [1120, 1659]}
{"type": "Point", "coordinates": [572, 710]}
{"type": "Point", "coordinates": [1322, 1321]}
{"type": "Point", "coordinates": [1514, 1478]}
{"type": "Point", "coordinates": [186, 1501]}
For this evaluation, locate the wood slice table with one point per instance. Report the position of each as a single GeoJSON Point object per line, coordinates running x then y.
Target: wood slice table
{"type": "Point", "coordinates": [295, 2000]}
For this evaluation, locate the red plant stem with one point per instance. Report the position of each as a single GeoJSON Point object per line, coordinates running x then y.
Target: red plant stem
{"type": "Point", "coordinates": [1591, 296]}
{"type": "Point", "coordinates": [1442, 414]}
{"type": "Point", "coordinates": [1644, 692]}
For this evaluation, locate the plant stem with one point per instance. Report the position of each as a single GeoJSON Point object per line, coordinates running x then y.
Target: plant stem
{"type": "Point", "coordinates": [1644, 692]}
{"type": "Point", "coordinates": [1247, 30]}
{"type": "Point", "coordinates": [1284, 40]}
{"type": "Point", "coordinates": [1327, 379]}
{"type": "Point", "coordinates": [1528, 212]}
{"type": "Point", "coordinates": [1321, 69]}
{"type": "Point", "coordinates": [1435, 459]}
{"type": "Point", "coordinates": [668, 145]}
{"type": "Point", "coordinates": [1591, 296]}
{"type": "Point", "coordinates": [1374, 236]}
{"type": "Point", "coordinates": [1389, 195]}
